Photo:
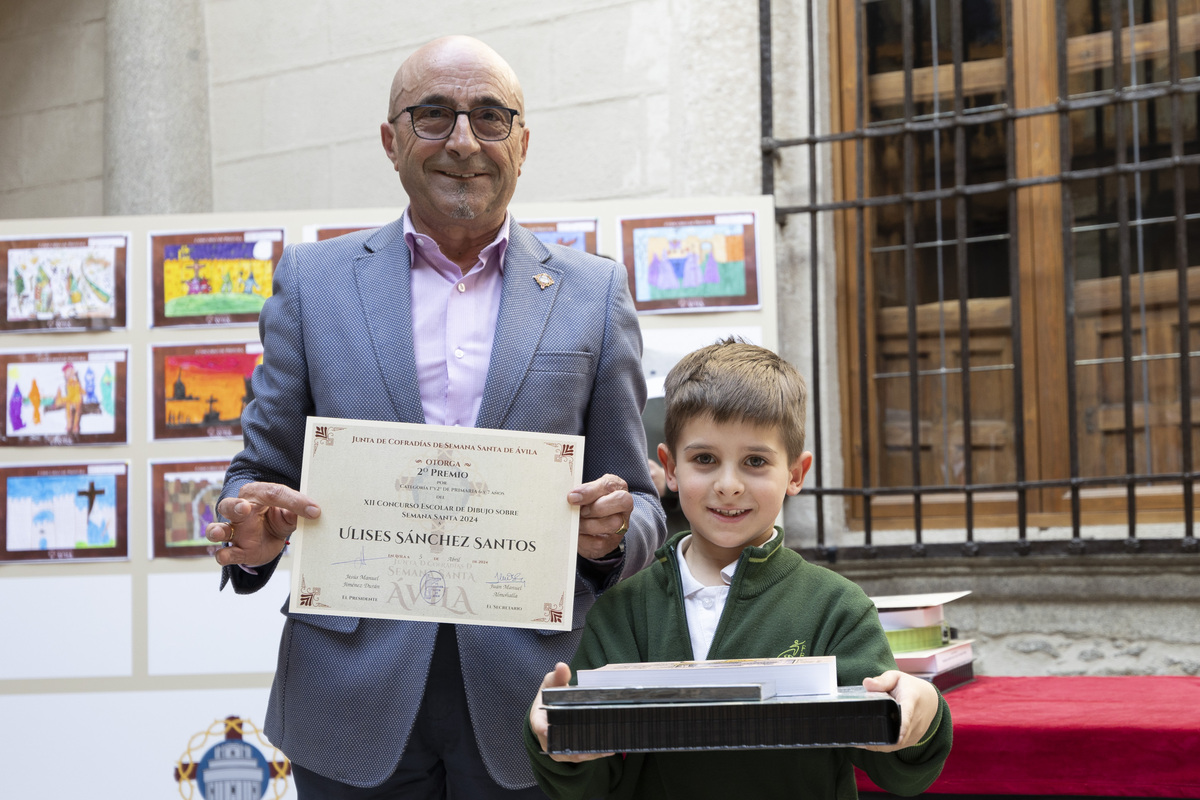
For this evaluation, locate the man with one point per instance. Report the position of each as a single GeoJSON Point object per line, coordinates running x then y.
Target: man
{"type": "Point", "coordinates": [451, 315]}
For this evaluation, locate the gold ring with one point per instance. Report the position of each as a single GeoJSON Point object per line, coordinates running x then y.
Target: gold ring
{"type": "Point", "coordinates": [624, 527]}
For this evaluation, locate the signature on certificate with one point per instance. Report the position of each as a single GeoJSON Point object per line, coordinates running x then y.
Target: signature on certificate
{"type": "Point", "coordinates": [362, 558]}
{"type": "Point", "coordinates": [508, 577]}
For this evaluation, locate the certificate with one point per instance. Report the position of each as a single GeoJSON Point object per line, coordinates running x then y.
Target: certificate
{"type": "Point", "coordinates": [438, 524]}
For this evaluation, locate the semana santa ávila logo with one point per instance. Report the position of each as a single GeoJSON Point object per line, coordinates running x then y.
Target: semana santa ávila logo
{"type": "Point", "coordinates": [232, 768]}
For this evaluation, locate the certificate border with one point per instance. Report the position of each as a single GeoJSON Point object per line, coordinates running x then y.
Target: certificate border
{"type": "Point", "coordinates": [305, 599]}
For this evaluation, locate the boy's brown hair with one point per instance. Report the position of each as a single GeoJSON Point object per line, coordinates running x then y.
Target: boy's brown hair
{"type": "Point", "coordinates": [734, 380]}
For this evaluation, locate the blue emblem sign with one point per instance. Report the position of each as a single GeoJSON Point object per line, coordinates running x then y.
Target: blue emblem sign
{"type": "Point", "coordinates": [233, 770]}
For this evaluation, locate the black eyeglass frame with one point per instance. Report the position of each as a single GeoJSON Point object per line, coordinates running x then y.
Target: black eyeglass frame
{"type": "Point", "coordinates": [413, 122]}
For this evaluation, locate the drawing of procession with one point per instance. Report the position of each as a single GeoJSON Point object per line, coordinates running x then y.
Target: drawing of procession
{"type": "Point", "coordinates": [46, 283]}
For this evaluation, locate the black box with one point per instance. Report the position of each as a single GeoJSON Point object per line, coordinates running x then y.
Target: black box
{"type": "Point", "coordinates": [852, 717]}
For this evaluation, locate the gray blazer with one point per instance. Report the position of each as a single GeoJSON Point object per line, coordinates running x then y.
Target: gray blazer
{"type": "Point", "coordinates": [338, 342]}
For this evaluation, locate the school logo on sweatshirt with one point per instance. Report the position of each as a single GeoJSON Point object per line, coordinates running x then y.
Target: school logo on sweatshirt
{"type": "Point", "coordinates": [233, 768]}
{"type": "Point", "coordinates": [797, 650]}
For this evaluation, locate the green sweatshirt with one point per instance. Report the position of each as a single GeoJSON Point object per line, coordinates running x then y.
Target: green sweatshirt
{"type": "Point", "coordinates": [778, 605]}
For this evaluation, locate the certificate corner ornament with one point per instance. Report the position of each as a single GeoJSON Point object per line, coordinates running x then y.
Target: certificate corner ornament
{"type": "Point", "coordinates": [563, 453]}
{"type": "Point", "coordinates": [310, 595]}
{"type": "Point", "coordinates": [553, 612]}
{"type": "Point", "coordinates": [324, 435]}
{"type": "Point", "coordinates": [544, 281]}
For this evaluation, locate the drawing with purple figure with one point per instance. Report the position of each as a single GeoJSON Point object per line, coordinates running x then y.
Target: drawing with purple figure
{"type": "Point", "coordinates": [62, 401]}
{"type": "Point", "coordinates": [699, 262]}
{"type": "Point", "coordinates": [690, 261]}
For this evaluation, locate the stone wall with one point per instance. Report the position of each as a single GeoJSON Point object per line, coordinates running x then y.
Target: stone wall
{"type": "Point", "coordinates": [623, 99]}
{"type": "Point", "coordinates": [1089, 615]}
{"type": "Point", "coordinates": [51, 108]}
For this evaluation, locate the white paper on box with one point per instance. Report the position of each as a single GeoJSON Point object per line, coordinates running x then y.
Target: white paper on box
{"type": "Point", "coordinates": [813, 675]}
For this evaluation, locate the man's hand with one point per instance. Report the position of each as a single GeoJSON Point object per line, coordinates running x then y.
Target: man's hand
{"type": "Point", "coordinates": [537, 716]}
{"type": "Point", "coordinates": [261, 518]}
{"type": "Point", "coordinates": [605, 506]}
{"type": "Point", "coordinates": [918, 705]}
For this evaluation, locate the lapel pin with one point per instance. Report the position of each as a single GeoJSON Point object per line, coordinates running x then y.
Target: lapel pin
{"type": "Point", "coordinates": [543, 280]}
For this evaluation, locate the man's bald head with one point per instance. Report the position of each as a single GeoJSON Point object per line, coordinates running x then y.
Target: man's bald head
{"type": "Point", "coordinates": [450, 52]}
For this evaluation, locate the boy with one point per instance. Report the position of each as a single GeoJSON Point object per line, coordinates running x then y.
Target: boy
{"type": "Point", "coordinates": [730, 589]}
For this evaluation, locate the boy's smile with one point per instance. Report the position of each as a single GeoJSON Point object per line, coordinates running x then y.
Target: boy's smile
{"type": "Point", "coordinates": [731, 478]}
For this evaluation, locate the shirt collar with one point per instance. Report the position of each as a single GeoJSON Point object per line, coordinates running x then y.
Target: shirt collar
{"type": "Point", "coordinates": [689, 584]}
{"type": "Point", "coordinates": [498, 246]}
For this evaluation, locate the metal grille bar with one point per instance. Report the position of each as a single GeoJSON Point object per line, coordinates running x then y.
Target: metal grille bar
{"type": "Point", "coordinates": [1122, 98]}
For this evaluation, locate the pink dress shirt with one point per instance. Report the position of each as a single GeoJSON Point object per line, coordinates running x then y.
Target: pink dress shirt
{"type": "Point", "coordinates": [454, 324]}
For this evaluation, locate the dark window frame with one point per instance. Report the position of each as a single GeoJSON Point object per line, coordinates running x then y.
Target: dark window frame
{"type": "Point", "coordinates": [859, 204]}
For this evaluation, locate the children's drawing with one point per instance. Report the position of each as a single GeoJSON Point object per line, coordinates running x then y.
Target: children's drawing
{"type": "Point", "coordinates": [61, 512]}
{"type": "Point", "coordinates": [690, 261]}
{"type": "Point", "coordinates": [321, 233]}
{"type": "Point", "coordinates": [572, 239]}
{"type": "Point", "coordinates": [228, 278]}
{"type": "Point", "coordinates": [61, 283]}
{"type": "Point", "coordinates": [185, 501]}
{"type": "Point", "coordinates": [212, 278]}
{"type": "Point", "coordinates": [73, 399]}
{"type": "Point", "coordinates": [201, 391]}
{"type": "Point", "coordinates": [700, 263]}
{"type": "Point", "coordinates": [577, 234]}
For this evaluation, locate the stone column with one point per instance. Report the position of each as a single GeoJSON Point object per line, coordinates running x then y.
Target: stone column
{"type": "Point", "coordinates": [157, 149]}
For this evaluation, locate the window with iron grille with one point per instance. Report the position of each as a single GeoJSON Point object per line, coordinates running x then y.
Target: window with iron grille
{"type": "Point", "coordinates": [1015, 187]}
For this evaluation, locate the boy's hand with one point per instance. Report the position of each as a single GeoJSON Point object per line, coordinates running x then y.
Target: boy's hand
{"type": "Point", "coordinates": [537, 716]}
{"type": "Point", "coordinates": [918, 705]}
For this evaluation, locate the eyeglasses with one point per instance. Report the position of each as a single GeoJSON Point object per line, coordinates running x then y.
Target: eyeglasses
{"type": "Point", "coordinates": [488, 123]}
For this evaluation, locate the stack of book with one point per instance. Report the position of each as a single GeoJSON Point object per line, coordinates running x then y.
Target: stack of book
{"type": "Point", "coordinates": [715, 705]}
{"type": "Point", "coordinates": [922, 642]}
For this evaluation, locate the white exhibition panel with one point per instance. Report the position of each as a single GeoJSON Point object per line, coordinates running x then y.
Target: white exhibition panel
{"type": "Point", "coordinates": [92, 656]}
{"type": "Point", "coordinates": [195, 630]}
{"type": "Point", "coordinates": [115, 745]}
{"type": "Point", "coordinates": [662, 348]}
{"type": "Point", "coordinates": [66, 627]}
